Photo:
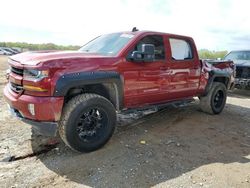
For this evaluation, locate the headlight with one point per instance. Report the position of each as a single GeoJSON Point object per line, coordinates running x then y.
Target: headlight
{"type": "Point", "coordinates": [35, 75]}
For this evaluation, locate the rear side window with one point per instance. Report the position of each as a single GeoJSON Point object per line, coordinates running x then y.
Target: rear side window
{"type": "Point", "coordinates": [180, 49]}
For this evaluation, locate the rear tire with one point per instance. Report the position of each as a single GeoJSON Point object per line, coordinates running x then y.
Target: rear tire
{"type": "Point", "coordinates": [214, 102]}
{"type": "Point", "coordinates": [87, 122]}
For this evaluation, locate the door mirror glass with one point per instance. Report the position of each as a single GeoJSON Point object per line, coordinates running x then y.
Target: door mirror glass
{"type": "Point", "coordinates": [147, 53]}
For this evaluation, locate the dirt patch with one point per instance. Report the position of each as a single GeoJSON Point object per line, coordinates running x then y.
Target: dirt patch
{"type": "Point", "coordinates": [175, 147]}
{"type": "Point", "coordinates": [3, 62]}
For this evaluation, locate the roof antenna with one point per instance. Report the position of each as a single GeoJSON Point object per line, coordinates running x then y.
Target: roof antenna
{"type": "Point", "coordinates": [135, 29]}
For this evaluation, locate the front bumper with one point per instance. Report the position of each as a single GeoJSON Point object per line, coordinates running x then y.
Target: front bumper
{"type": "Point", "coordinates": [47, 110]}
{"type": "Point", "coordinates": [242, 83]}
{"type": "Point", "coordinates": [43, 128]}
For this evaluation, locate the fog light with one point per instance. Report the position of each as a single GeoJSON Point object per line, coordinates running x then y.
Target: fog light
{"type": "Point", "coordinates": [31, 108]}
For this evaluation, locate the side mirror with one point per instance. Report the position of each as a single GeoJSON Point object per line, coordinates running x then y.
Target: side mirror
{"type": "Point", "coordinates": [147, 54]}
{"type": "Point", "coordinates": [137, 56]}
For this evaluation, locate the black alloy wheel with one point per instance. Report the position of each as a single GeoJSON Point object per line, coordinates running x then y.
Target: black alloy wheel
{"type": "Point", "coordinates": [92, 124]}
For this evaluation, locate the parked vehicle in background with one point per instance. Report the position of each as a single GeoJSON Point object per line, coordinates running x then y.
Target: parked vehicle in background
{"type": "Point", "coordinates": [241, 59]}
{"type": "Point", "coordinates": [79, 93]}
{"type": "Point", "coordinates": [16, 50]}
{"type": "Point", "coordinates": [4, 52]}
{"type": "Point", "coordinates": [9, 50]}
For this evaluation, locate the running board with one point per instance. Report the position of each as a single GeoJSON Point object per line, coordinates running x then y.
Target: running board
{"type": "Point", "coordinates": [157, 107]}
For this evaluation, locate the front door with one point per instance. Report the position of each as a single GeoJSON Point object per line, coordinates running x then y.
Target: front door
{"type": "Point", "coordinates": [143, 80]}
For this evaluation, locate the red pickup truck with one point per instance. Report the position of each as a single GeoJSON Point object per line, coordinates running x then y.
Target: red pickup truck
{"type": "Point", "coordinates": [79, 93]}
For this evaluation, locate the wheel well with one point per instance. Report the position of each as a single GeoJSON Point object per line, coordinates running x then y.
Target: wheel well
{"type": "Point", "coordinates": [107, 90]}
{"type": "Point", "coordinates": [223, 80]}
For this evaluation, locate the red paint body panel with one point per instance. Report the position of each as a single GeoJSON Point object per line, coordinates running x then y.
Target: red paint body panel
{"type": "Point", "coordinates": [46, 108]}
{"type": "Point", "coordinates": [144, 83]}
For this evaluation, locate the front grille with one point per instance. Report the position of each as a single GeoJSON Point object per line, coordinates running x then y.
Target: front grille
{"type": "Point", "coordinates": [16, 88]}
{"type": "Point", "coordinates": [17, 71]}
{"type": "Point", "coordinates": [242, 72]}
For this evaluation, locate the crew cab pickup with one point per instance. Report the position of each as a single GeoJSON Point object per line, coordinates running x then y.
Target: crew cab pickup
{"type": "Point", "coordinates": [79, 93]}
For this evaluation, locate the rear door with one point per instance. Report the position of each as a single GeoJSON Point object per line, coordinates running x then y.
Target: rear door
{"type": "Point", "coordinates": [184, 66]}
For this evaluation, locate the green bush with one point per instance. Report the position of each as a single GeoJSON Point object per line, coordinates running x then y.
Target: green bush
{"type": "Point", "coordinates": [206, 54]}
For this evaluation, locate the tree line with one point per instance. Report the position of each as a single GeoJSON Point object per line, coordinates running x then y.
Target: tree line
{"type": "Point", "coordinates": [203, 53]}
{"type": "Point", "coordinates": [207, 54]}
{"type": "Point", "coordinates": [45, 46]}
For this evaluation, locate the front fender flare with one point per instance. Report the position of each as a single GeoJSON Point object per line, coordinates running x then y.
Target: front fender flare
{"type": "Point", "coordinates": [81, 79]}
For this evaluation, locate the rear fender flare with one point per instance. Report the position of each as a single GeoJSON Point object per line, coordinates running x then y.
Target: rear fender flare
{"type": "Point", "coordinates": [213, 75]}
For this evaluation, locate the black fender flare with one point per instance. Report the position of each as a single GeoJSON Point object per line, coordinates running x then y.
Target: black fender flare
{"type": "Point", "coordinates": [217, 74]}
{"type": "Point", "coordinates": [81, 79]}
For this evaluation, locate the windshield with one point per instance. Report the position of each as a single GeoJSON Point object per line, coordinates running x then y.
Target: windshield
{"type": "Point", "coordinates": [108, 45]}
{"type": "Point", "coordinates": [239, 55]}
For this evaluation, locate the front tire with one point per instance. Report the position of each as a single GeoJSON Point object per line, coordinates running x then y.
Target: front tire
{"type": "Point", "coordinates": [87, 122]}
{"type": "Point", "coordinates": [214, 102]}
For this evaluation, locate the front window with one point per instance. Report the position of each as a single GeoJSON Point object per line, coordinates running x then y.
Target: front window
{"type": "Point", "coordinates": [108, 45]}
{"type": "Point", "coordinates": [157, 41]}
{"type": "Point", "coordinates": [239, 55]}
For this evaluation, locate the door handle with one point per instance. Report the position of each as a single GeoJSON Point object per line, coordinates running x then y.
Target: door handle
{"type": "Point", "coordinates": [164, 68]}
{"type": "Point", "coordinates": [196, 67]}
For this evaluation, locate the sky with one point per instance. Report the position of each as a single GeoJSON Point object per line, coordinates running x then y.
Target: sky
{"type": "Point", "coordinates": [214, 24]}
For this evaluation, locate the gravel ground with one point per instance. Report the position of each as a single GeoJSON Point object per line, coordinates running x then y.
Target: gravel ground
{"type": "Point", "coordinates": [174, 147]}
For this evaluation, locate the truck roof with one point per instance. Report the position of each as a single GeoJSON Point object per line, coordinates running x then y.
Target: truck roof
{"type": "Point", "coordinates": [154, 32]}
{"type": "Point", "coordinates": [240, 51]}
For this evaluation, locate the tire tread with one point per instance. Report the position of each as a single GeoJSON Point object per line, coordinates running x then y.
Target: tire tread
{"type": "Point", "coordinates": [67, 110]}
{"type": "Point", "coordinates": [205, 101]}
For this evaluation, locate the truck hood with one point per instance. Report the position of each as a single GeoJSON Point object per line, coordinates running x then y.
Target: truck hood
{"type": "Point", "coordinates": [36, 57]}
{"type": "Point", "coordinates": [245, 63]}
